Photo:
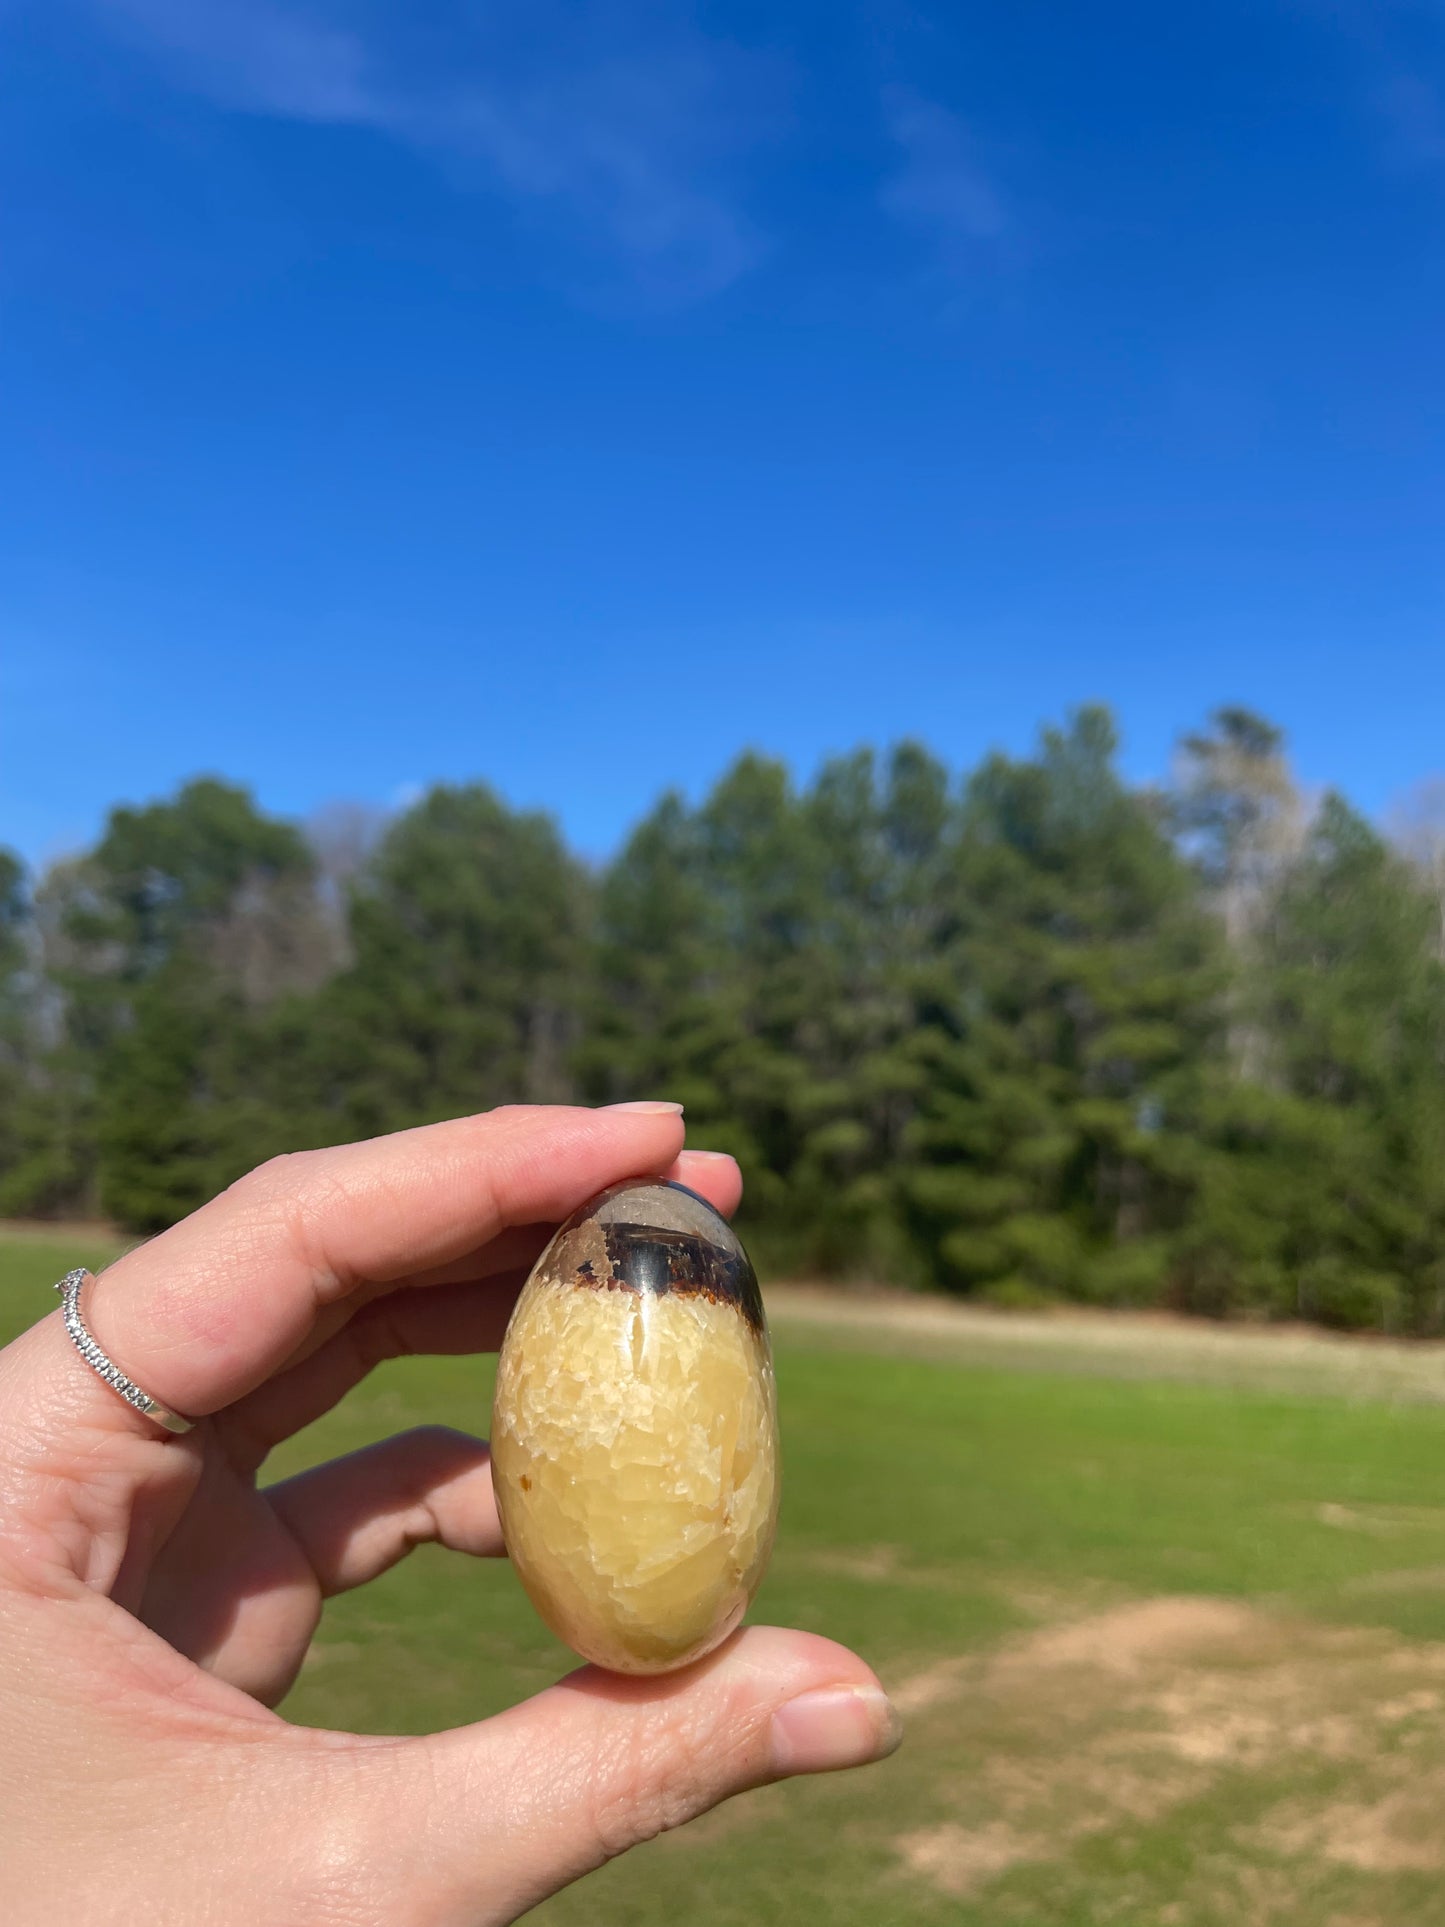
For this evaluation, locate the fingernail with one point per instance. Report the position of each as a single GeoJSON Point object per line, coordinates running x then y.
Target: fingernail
{"type": "Point", "coordinates": [718, 1157]}
{"type": "Point", "coordinates": [840, 1726]}
{"type": "Point", "coordinates": [648, 1107]}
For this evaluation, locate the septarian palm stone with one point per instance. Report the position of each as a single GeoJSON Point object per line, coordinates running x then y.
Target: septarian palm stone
{"type": "Point", "coordinates": [635, 1433]}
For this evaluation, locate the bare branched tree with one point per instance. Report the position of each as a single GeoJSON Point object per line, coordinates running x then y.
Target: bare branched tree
{"type": "Point", "coordinates": [1239, 811]}
{"type": "Point", "coordinates": [1417, 829]}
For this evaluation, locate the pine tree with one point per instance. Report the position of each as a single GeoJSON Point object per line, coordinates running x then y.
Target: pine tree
{"type": "Point", "coordinates": [469, 930]}
{"type": "Point", "coordinates": [706, 970]}
{"type": "Point", "coordinates": [1054, 1151]}
{"type": "Point", "coordinates": [1049, 1036]}
{"type": "Point", "coordinates": [155, 1054]}
{"type": "Point", "coordinates": [26, 1184]}
{"type": "Point", "coordinates": [760, 959]}
{"type": "Point", "coordinates": [1326, 1195]}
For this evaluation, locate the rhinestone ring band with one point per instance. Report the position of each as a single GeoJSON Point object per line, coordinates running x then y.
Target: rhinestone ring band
{"type": "Point", "coordinates": [69, 1289]}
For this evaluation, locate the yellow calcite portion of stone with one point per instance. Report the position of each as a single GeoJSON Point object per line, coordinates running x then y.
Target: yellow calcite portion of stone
{"type": "Point", "coordinates": [635, 1455]}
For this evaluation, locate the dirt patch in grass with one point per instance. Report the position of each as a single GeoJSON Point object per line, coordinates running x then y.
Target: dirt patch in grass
{"type": "Point", "coordinates": [1397, 1834]}
{"type": "Point", "coordinates": [958, 1859]}
{"type": "Point", "coordinates": [1381, 1521]}
{"type": "Point", "coordinates": [875, 1563]}
{"type": "Point", "coordinates": [1106, 1723]}
{"type": "Point", "coordinates": [1149, 1632]}
{"type": "Point", "coordinates": [943, 1681]}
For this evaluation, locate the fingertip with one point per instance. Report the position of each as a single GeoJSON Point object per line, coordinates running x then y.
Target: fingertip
{"type": "Point", "coordinates": [829, 1709]}
{"type": "Point", "coordinates": [833, 1729]}
{"type": "Point", "coordinates": [812, 1705]}
{"type": "Point", "coordinates": [714, 1175]}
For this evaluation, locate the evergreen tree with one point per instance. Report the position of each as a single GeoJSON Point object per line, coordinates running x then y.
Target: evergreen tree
{"type": "Point", "coordinates": [155, 1054]}
{"type": "Point", "coordinates": [1326, 1194]}
{"type": "Point", "coordinates": [1419, 833]}
{"type": "Point", "coordinates": [22, 1186]}
{"type": "Point", "coordinates": [706, 969]}
{"type": "Point", "coordinates": [881, 967]}
{"type": "Point", "coordinates": [760, 959]}
{"type": "Point", "coordinates": [470, 931]}
{"type": "Point", "coordinates": [1049, 1036]}
{"type": "Point", "coordinates": [659, 1020]}
{"type": "Point", "coordinates": [1054, 1149]}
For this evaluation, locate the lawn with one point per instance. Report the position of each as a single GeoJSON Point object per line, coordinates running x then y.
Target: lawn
{"type": "Point", "coordinates": [1170, 1652]}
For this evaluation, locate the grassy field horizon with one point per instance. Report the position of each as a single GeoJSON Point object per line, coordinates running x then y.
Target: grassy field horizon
{"type": "Point", "coordinates": [1164, 1610]}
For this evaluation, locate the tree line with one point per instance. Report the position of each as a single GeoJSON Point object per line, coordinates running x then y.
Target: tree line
{"type": "Point", "coordinates": [1028, 1035]}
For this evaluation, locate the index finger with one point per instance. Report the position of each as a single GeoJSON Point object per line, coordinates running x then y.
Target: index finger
{"type": "Point", "coordinates": [207, 1311]}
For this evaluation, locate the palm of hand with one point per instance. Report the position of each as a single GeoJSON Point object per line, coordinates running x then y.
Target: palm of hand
{"type": "Point", "coordinates": [154, 1599]}
{"type": "Point", "coordinates": [233, 1588]}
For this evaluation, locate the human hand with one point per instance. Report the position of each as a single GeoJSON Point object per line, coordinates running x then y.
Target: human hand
{"type": "Point", "coordinates": [154, 1602]}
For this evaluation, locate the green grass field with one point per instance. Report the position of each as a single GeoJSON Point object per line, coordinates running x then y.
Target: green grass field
{"type": "Point", "coordinates": [1170, 1652]}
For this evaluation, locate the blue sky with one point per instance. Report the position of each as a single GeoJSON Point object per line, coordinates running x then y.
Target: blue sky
{"type": "Point", "coordinates": [573, 395]}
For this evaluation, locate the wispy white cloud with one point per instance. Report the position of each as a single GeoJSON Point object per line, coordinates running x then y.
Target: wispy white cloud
{"type": "Point", "coordinates": [938, 188]}
{"type": "Point", "coordinates": [1413, 111]}
{"type": "Point", "coordinates": [624, 144]}
{"type": "Point", "coordinates": [1398, 48]}
{"type": "Point", "coordinates": [632, 139]}
{"type": "Point", "coordinates": [254, 56]}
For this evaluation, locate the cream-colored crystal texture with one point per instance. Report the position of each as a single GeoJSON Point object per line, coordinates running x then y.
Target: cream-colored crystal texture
{"type": "Point", "coordinates": [635, 1432]}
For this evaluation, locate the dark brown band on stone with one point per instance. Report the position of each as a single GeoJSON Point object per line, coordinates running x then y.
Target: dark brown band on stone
{"type": "Point", "coordinates": [644, 1258]}
{"type": "Point", "coordinates": [657, 1259]}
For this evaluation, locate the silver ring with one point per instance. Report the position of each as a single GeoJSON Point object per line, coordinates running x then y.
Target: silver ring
{"type": "Point", "coordinates": [69, 1289]}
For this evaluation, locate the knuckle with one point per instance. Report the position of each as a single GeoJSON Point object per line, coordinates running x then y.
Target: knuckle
{"type": "Point", "coordinates": [275, 1177]}
{"type": "Point", "coordinates": [292, 1195]}
{"type": "Point", "coordinates": [375, 1336]}
{"type": "Point", "coordinates": [344, 1871]}
{"type": "Point", "coordinates": [650, 1780]}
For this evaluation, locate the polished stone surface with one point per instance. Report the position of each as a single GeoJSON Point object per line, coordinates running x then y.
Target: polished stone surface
{"type": "Point", "coordinates": [634, 1433]}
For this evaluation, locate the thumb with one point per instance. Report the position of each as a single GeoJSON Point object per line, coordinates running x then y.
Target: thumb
{"type": "Point", "coordinates": [502, 1814]}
